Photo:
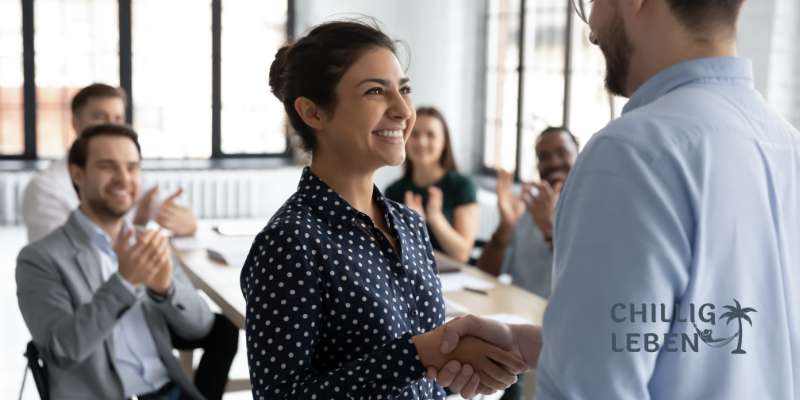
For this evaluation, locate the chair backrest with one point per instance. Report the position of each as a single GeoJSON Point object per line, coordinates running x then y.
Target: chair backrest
{"type": "Point", "coordinates": [38, 370]}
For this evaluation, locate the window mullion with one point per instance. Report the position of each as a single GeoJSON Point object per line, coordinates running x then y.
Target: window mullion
{"type": "Point", "coordinates": [29, 77]}
{"type": "Point", "coordinates": [520, 88]}
{"type": "Point", "coordinates": [125, 56]}
{"type": "Point", "coordinates": [216, 79]}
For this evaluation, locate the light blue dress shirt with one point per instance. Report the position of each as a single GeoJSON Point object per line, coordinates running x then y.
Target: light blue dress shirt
{"type": "Point", "coordinates": [135, 354]}
{"type": "Point", "coordinates": [528, 258]}
{"type": "Point", "coordinates": [690, 199]}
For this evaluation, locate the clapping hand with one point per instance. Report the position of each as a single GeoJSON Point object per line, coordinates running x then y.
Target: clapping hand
{"type": "Point", "coordinates": [179, 219]}
{"type": "Point", "coordinates": [170, 215]}
{"type": "Point", "coordinates": [435, 203]}
{"type": "Point", "coordinates": [511, 207]}
{"type": "Point", "coordinates": [414, 202]}
{"type": "Point", "coordinates": [543, 206]}
{"type": "Point", "coordinates": [146, 262]}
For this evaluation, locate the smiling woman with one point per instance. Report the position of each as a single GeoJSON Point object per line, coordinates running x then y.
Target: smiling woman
{"type": "Point", "coordinates": [432, 186]}
{"type": "Point", "coordinates": [341, 285]}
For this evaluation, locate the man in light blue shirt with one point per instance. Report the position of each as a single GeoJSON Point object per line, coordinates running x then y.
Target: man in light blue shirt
{"type": "Point", "coordinates": [677, 265]}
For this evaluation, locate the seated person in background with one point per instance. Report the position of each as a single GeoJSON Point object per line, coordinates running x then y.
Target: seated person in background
{"type": "Point", "coordinates": [49, 198]}
{"type": "Point", "coordinates": [521, 246]}
{"type": "Point", "coordinates": [432, 186]}
{"type": "Point", "coordinates": [100, 310]}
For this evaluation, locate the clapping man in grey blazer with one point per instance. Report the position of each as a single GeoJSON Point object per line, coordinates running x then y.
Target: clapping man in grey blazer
{"type": "Point", "coordinates": [100, 299]}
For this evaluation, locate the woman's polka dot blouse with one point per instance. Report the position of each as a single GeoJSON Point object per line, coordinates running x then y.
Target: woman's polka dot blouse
{"type": "Point", "coordinates": [331, 308]}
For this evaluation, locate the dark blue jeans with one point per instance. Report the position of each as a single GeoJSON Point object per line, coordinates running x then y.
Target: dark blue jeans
{"type": "Point", "coordinates": [219, 348]}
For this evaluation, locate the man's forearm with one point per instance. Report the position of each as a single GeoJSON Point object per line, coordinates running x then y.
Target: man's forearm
{"type": "Point", "coordinates": [491, 260]}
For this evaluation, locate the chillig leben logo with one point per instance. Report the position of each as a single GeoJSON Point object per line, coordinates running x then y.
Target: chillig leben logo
{"type": "Point", "coordinates": [654, 313]}
{"type": "Point", "coordinates": [734, 313]}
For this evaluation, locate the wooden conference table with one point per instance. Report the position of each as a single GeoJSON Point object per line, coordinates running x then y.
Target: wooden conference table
{"type": "Point", "coordinates": [484, 295]}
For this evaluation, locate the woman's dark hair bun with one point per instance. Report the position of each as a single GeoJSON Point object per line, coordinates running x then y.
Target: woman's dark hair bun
{"type": "Point", "coordinates": [277, 72]}
{"type": "Point", "coordinates": [313, 65]}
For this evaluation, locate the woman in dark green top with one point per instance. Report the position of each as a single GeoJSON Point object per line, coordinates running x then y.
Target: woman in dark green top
{"type": "Point", "coordinates": [432, 186]}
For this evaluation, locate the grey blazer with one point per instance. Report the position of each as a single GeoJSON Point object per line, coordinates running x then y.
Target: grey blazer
{"type": "Point", "coordinates": [71, 314]}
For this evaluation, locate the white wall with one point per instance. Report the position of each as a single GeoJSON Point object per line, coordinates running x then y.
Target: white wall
{"type": "Point", "coordinates": [445, 38]}
{"type": "Point", "coordinates": [768, 35]}
{"type": "Point", "coordinates": [784, 83]}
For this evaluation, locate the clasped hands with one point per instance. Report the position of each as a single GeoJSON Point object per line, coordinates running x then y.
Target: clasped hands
{"type": "Point", "coordinates": [147, 262]}
{"type": "Point", "coordinates": [472, 355]}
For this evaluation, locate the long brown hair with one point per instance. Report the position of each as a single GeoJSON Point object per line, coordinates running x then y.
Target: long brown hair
{"type": "Point", "coordinates": [446, 160]}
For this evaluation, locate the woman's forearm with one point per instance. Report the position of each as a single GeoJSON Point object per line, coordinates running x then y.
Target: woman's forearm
{"type": "Point", "coordinates": [457, 240]}
{"type": "Point", "coordinates": [453, 244]}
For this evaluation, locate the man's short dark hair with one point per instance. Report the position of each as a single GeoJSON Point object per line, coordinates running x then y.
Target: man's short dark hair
{"type": "Point", "coordinates": [557, 129]}
{"type": "Point", "coordinates": [79, 152]}
{"type": "Point", "coordinates": [704, 15]}
{"type": "Point", "coordinates": [95, 90]}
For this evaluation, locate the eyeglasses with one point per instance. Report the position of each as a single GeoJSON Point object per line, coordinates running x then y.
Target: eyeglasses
{"type": "Point", "coordinates": [583, 8]}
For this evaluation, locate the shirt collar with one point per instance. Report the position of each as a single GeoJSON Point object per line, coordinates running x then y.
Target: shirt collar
{"type": "Point", "coordinates": [738, 71]}
{"type": "Point", "coordinates": [320, 196]}
{"type": "Point", "coordinates": [98, 237]}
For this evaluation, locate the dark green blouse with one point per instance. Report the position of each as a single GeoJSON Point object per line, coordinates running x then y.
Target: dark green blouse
{"type": "Point", "coordinates": [457, 190]}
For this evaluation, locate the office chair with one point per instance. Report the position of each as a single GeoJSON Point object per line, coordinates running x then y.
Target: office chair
{"type": "Point", "coordinates": [38, 370]}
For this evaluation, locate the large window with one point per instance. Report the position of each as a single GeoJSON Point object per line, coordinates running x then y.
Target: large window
{"type": "Point", "coordinates": [542, 71]}
{"type": "Point", "coordinates": [76, 44]}
{"type": "Point", "coordinates": [196, 71]}
{"type": "Point", "coordinates": [172, 77]}
{"type": "Point", "coordinates": [11, 79]}
{"type": "Point", "coordinates": [250, 114]}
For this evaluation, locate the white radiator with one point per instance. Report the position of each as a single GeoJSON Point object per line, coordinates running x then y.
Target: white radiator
{"type": "Point", "coordinates": [11, 186]}
{"type": "Point", "coordinates": [216, 194]}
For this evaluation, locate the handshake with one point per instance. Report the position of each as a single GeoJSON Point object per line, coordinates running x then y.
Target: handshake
{"type": "Point", "coordinates": [472, 355]}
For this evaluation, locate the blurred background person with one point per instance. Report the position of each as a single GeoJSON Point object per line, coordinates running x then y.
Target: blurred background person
{"type": "Point", "coordinates": [522, 244]}
{"type": "Point", "coordinates": [48, 198]}
{"type": "Point", "coordinates": [432, 186]}
{"type": "Point", "coordinates": [102, 311]}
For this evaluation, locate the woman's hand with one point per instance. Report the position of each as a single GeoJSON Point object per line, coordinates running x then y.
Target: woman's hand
{"type": "Point", "coordinates": [414, 202]}
{"type": "Point", "coordinates": [497, 369]}
{"type": "Point", "coordinates": [433, 209]}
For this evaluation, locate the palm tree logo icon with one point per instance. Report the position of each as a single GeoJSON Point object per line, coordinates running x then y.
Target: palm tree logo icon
{"type": "Point", "coordinates": [738, 313]}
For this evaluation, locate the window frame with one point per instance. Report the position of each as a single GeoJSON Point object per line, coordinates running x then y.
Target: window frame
{"type": "Point", "coordinates": [30, 152]}
{"type": "Point", "coordinates": [568, 33]}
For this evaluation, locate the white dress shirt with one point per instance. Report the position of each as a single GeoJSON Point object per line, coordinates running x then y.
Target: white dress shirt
{"type": "Point", "coordinates": [47, 200]}
{"type": "Point", "coordinates": [135, 354]}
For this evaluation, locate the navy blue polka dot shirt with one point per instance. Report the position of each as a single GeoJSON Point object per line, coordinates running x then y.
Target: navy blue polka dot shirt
{"type": "Point", "coordinates": [331, 307]}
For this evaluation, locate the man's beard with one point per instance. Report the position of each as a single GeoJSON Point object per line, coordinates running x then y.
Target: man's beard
{"type": "Point", "coordinates": [104, 210]}
{"type": "Point", "coordinates": [617, 49]}
{"type": "Point", "coordinates": [552, 180]}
